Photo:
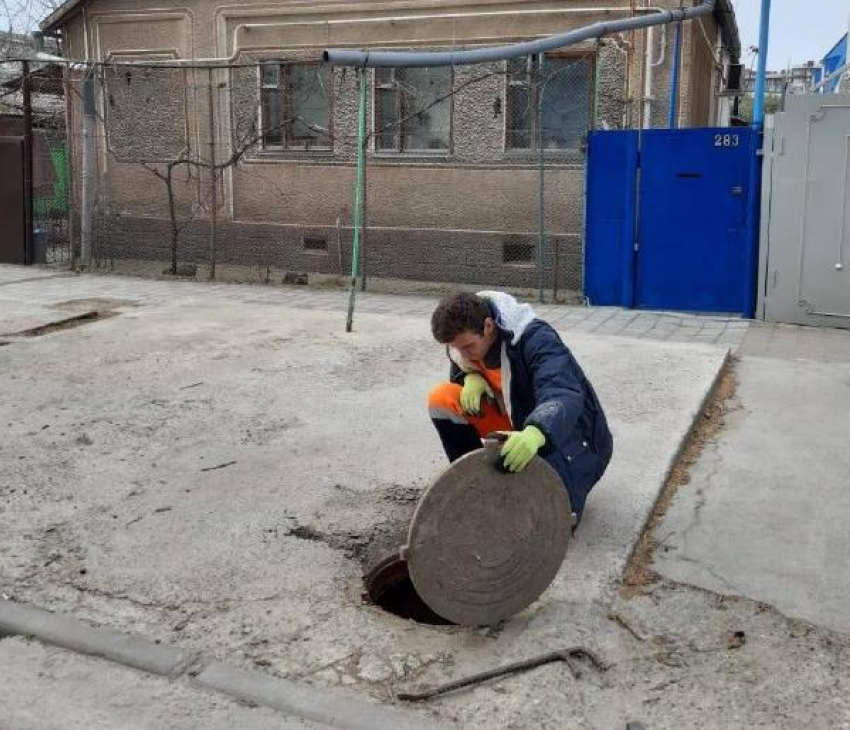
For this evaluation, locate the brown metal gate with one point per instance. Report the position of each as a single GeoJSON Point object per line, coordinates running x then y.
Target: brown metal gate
{"type": "Point", "coordinates": [12, 208]}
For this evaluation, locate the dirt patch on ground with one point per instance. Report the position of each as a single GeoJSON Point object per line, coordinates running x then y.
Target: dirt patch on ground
{"type": "Point", "coordinates": [711, 420]}
{"type": "Point", "coordinates": [101, 304]}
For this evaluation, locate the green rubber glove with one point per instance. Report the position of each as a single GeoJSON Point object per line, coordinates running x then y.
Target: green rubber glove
{"type": "Point", "coordinates": [521, 447]}
{"type": "Point", "coordinates": [474, 388]}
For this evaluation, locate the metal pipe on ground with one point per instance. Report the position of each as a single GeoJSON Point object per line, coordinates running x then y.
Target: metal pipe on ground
{"type": "Point", "coordinates": [422, 59]}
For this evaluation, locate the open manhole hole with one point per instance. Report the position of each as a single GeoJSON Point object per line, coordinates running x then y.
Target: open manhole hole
{"type": "Point", "coordinates": [389, 586]}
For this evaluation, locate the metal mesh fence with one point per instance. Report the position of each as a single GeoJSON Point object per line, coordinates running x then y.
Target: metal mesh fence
{"type": "Point", "coordinates": [474, 174]}
{"type": "Point", "coordinates": [39, 89]}
{"type": "Point", "coordinates": [252, 167]}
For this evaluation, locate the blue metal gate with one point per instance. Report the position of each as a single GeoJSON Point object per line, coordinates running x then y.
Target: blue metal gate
{"type": "Point", "coordinates": [672, 219]}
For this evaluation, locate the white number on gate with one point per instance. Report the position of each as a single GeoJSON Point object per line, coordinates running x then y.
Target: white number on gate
{"type": "Point", "coordinates": [727, 140]}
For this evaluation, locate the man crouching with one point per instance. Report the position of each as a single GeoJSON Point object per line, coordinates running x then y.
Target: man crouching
{"type": "Point", "coordinates": [511, 372]}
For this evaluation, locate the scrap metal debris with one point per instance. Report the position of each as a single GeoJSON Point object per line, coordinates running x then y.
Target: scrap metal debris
{"type": "Point", "coordinates": [564, 655]}
{"type": "Point", "coordinates": [220, 466]}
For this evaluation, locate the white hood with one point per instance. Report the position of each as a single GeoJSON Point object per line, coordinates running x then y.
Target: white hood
{"type": "Point", "coordinates": [513, 316]}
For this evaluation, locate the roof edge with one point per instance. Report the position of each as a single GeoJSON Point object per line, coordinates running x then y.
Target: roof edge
{"type": "Point", "coordinates": [60, 15]}
{"type": "Point", "coordinates": [724, 11]}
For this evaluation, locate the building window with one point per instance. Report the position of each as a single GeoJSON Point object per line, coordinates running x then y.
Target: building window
{"type": "Point", "coordinates": [295, 106]}
{"type": "Point", "coordinates": [413, 109]}
{"type": "Point", "coordinates": [566, 103]}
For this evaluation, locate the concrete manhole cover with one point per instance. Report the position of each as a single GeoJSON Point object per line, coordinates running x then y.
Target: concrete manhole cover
{"type": "Point", "coordinates": [483, 545]}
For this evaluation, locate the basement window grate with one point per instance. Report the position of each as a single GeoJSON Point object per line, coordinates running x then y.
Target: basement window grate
{"type": "Point", "coordinates": [315, 245]}
{"type": "Point", "coordinates": [518, 254]}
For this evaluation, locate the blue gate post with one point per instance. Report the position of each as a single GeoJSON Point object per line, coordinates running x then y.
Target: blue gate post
{"type": "Point", "coordinates": [753, 223]}
{"type": "Point", "coordinates": [754, 204]}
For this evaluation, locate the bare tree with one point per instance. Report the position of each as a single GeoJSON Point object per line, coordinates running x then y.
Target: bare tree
{"type": "Point", "coordinates": [240, 148]}
{"type": "Point", "coordinates": [23, 16]}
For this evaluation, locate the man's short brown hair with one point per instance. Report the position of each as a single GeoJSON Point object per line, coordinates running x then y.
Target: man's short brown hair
{"type": "Point", "coordinates": [458, 313]}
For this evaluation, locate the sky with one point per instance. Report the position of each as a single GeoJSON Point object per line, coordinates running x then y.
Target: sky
{"type": "Point", "coordinates": [800, 30]}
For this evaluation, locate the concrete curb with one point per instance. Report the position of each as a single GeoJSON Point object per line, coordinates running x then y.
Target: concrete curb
{"type": "Point", "coordinates": [308, 703]}
{"type": "Point", "coordinates": [61, 630]}
{"type": "Point", "coordinates": [728, 358]}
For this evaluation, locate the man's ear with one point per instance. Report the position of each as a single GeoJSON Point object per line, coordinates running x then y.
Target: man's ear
{"type": "Point", "coordinates": [489, 326]}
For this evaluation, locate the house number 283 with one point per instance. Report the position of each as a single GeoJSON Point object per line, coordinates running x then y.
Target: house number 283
{"type": "Point", "coordinates": [727, 140]}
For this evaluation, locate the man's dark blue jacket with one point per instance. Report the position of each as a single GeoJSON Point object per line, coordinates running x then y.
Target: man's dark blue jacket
{"type": "Point", "coordinates": [544, 386]}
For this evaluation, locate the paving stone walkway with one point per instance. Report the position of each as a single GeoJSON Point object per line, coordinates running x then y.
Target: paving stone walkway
{"type": "Point", "coordinates": [41, 286]}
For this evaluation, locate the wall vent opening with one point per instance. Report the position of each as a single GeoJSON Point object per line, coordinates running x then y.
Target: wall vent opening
{"type": "Point", "coordinates": [313, 244]}
{"type": "Point", "coordinates": [521, 254]}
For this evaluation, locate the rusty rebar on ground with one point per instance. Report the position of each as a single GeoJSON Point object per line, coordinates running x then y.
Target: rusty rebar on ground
{"type": "Point", "coordinates": [563, 655]}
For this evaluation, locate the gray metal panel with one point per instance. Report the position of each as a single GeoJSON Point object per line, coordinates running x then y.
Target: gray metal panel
{"type": "Point", "coordinates": [808, 247]}
{"type": "Point", "coordinates": [764, 239]}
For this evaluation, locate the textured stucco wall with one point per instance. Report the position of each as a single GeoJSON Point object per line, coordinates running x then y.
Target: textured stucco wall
{"type": "Point", "coordinates": [420, 209]}
{"type": "Point", "coordinates": [422, 255]}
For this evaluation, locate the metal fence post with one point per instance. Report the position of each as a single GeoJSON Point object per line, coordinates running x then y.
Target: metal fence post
{"type": "Point", "coordinates": [70, 196]}
{"type": "Point", "coordinates": [88, 171]}
{"type": "Point", "coordinates": [26, 87]}
{"type": "Point", "coordinates": [213, 191]}
{"type": "Point", "coordinates": [673, 113]}
{"type": "Point", "coordinates": [541, 205]}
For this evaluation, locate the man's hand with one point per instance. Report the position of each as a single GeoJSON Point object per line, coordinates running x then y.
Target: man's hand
{"type": "Point", "coordinates": [521, 447]}
{"type": "Point", "coordinates": [474, 388]}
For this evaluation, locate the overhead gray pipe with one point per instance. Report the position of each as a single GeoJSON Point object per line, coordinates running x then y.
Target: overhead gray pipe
{"type": "Point", "coordinates": [403, 59]}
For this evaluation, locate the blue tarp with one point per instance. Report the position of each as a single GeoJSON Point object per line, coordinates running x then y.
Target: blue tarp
{"type": "Point", "coordinates": [832, 61]}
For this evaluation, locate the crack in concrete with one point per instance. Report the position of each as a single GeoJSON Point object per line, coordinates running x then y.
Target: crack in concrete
{"type": "Point", "coordinates": [35, 278]}
{"type": "Point", "coordinates": [695, 561]}
{"type": "Point", "coordinates": [63, 324]}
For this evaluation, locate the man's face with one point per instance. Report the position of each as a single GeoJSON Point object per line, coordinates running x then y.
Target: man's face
{"type": "Point", "coordinates": [473, 346]}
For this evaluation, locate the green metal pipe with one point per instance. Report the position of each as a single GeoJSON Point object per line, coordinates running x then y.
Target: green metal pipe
{"type": "Point", "coordinates": [358, 194]}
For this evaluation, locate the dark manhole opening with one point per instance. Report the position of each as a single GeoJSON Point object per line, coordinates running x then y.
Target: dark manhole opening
{"type": "Point", "coordinates": [389, 586]}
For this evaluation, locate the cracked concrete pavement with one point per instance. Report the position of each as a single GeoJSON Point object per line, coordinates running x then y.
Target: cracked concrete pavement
{"type": "Point", "coordinates": [765, 514]}
{"type": "Point", "coordinates": [47, 688]}
{"type": "Point", "coordinates": [210, 467]}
